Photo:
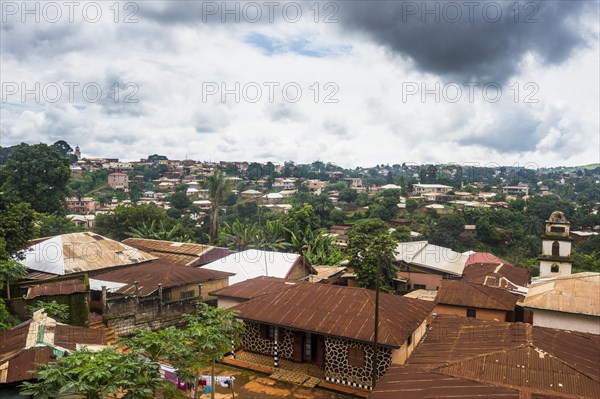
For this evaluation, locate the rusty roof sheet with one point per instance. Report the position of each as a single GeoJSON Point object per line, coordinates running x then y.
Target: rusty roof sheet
{"type": "Point", "coordinates": [414, 382]}
{"type": "Point", "coordinates": [577, 293]}
{"type": "Point", "coordinates": [459, 293]}
{"type": "Point", "coordinates": [69, 337]}
{"type": "Point", "coordinates": [255, 287]}
{"type": "Point", "coordinates": [512, 355]}
{"type": "Point", "coordinates": [149, 275]}
{"type": "Point", "coordinates": [478, 272]}
{"type": "Point", "coordinates": [325, 272]}
{"type": "Point", "coordinates": [80, 252]}
{"type": "Point", "coordinates": [64, 287]}
{"type": "Point", "coordinates": [339, 311]}
{"type": "Point", "coordinates": [18, 367]}
{"type": "Point", "coordinates": [485, 258]}
{"type": "Point", "coordinates": [178, 259]}
{"type": "Point", "coordinates": [167, 246]}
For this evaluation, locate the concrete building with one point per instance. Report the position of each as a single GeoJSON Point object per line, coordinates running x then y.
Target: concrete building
{"type": "Point", "coordinates": [422, 189]}
{"type": "Point", "coordinates": [555, 259]}
{"type": "Point", "coordinates": [118, 181]}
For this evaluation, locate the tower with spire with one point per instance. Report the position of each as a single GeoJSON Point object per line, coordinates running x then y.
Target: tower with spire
{"type": "Point", "coordinates": [555, 259]}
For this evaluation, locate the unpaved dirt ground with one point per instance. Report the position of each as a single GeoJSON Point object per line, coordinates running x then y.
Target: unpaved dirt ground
{"type": "Point", "coordinates": [252, 385]}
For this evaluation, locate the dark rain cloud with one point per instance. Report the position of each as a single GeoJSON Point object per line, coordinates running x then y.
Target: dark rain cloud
{"type": "Point", "coordinates": [479, 44]}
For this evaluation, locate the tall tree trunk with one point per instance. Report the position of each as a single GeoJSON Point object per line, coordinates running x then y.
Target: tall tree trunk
{"type": "Point", "coordinates": [212, 380]}
{"type": "Point", "coordinates": [214, 223]}
{"type": "Point", "coordinates": [196, 385]}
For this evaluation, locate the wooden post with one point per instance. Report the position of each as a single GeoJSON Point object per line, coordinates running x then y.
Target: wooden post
{"type": "Point", "coordinates": [200, 291]}
{"type": "Point", "coordinates": [104, 299]}
{"type": "Point", "coordinates": [160, 293]}
{"type": "Point", "coordinates": [375, 348]}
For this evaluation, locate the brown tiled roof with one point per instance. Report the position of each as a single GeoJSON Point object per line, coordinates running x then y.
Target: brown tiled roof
{"type": "Point", "coordinates": [339, 311]}
{"type": "Point", "coordinates": [255, 287]}
{"type": "Point", "coordinates": [64, 287]}
{"type": "Point", "coordinates": [459, 293]}
{"type": "Point", "coordinates": [477, 273]}
{"type": "Point", "coordinates": [150, 274]}
{"type": "Point", "coordinates": [414, 382]}
{"type": "Point", "coordinates": [512, 355]}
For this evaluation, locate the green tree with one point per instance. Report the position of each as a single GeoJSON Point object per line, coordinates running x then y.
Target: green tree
{"type": "Point", "coordinates": [209, 335]}
{"type": "Point", "coordinates": [159, 231]}
{"type": "Point", "coordinates": [180, 200]}
{"type": "Point", "coordinates": [10, 272]}
{"type": "Point", "coordinates": [52, 225]}
{"type": "Point", "coordinates": [154, 345]}
{"type": "Point", "coordinates": [124, 219]}
{"type": "Point", "coordinates": [96, 375]}
{"type": "Point", "coordinates": [369, 245]}
{"type": "Point", "coordinates": [348, 195]}
{"type": "Point", "coordinates": [37, 174]}
{"type": "Point", "coordinates": [218, 186]}
{"type": "Point", "coordinates": [16, 226]}
{"type": "Point", "coordinates": [57, 311]}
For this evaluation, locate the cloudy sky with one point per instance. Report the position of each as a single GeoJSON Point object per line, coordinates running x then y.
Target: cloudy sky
{"type": "Point", "coordinates": [351, 82]}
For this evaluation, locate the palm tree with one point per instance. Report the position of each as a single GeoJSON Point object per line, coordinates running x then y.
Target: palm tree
{"type": "Point", "coordinates": [217, 186]}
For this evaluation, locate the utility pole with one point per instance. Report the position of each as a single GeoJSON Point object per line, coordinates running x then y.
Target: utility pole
{"type": "Point", "coordinates": [375, 347]}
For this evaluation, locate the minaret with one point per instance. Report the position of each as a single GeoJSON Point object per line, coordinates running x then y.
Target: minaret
{"type": "Point", "coordinates": [77, 152]}
{"type": "Point", "coordinates": [556, 247]}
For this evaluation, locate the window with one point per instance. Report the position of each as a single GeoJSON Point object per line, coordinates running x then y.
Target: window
{"type": "Point", "coordinates": [267, 332]}
{"type": "Point", "coordinates": [555, 248]}
{"type": "Point", "coordinates": [419, 286]}
{"type": "Point", "coordinates": [554, 268]}
{"type": "Point", "coordinates": [557, 229]}
{"type": "Point", "coordinates": [356, 357]}
{"type": "Point", "coordinates": [471, 313]}
{"type": "Point", "coordinates": [167, 295]}
{"type": "Point", "coordinates": [409, 340]}
{"type": "Point", "coordinates": [308, 346]}
{"type": "Point", "coordinates": [186, 294]}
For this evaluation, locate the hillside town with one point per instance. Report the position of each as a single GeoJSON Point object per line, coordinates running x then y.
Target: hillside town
{"type": "Point", "coordinates": [385, 282]}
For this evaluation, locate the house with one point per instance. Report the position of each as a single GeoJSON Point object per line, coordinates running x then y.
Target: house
{"type": "Point", "coordinates": [422, 189]}
{"type": "Point", "coordinates": [424, 266]}
{"type": "Point", "coordinates": [516, 190]}
{"type": "Point", "coordinates": [330, 330]}
{"type": "Point", "coordinates": [566, 302]}
{"type": "Point", "coordinates": [118, 181]}
{"type": "Point", "coordinates": [40, 340]}
{"type": "Point", "coordinates": [469, 358]}
{"type": "Point", "coordinates": [327, 274]}
{"type": "Point", "coordinates": [80, 253]}
{"type": "Point", "coordinates": [254, 263]}
{"type": "Point", "coordinates": [181, 253]}
{"type": "Point", "coordinates": [474, 300]}
{"type": "Point", "coordinates": [170, 280]}
{"type": "Point", "coordinates": [84, 206]}
{"type": "Point", "coordinates": [579, 236]}
{"type": "Point", "coordinates": [251, 194]}
{"type": "Point", "coordinates": [241, 292]}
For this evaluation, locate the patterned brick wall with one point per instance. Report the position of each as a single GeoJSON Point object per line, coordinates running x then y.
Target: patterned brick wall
{"type": "Point", "coordinates": [253, 342]}
{"type": "Point", "coordinates": [338, 370]}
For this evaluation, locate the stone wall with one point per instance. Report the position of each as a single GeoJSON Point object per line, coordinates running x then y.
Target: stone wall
{"type": "Point", "coordinates": [339, 371]}
{"type": "Point", "coordinates": [124, 315]}
{"type": "Point", "coordinates": [253, 342]}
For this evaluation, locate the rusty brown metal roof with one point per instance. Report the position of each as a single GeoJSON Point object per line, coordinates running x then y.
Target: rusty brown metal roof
{"type": "Point", "coordinates": [477, 273]}
{"type": "Point", "coordinates": [414, 382]}
{"type": "Point", "coordinates": [179, 252]}
{"type": "Point", "coordinates": [339, 311]}
{"type": "Point", "coordinates": [512, 355]}
{"type": "Point", "coordinates": [255, 287]}
{"type": "Point", "coordinates": [64, 287]}
{"type": "Point", "coordinates": [167, 246]}
{"type": "Point", "coordinates": [459, 293]}
{"type": "Point", "coordinates": [22, 349]}
{"type": "Point", "coordinates": [150, 274]}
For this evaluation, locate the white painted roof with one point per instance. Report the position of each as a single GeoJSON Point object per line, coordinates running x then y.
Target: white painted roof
{"type": "Point", "coordinates": [254, 263]}
{"type": "Point", "coordinates": [80, 252]}
{"type": "Point", "coordinates": [421, 253]}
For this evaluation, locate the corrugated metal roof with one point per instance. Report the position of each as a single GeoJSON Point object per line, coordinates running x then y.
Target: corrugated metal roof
{"type": "Point", "coordinates": [254, 263]}
{"type": "Point", "coordinates": [326, 272]}
{"type": "Point", "coordinates": [80, 252]}
{"type": "Point", "coordinates": [23, 347]}
{"type": "Point", "coordinates": [255, 287]}
{"type": "Point", "coordinates": [483, 258]}
{"type": "Point", "coordinates": [414, 382]}
{"type": "Point", "coordinates": [577, 293]}
{"type": "Point", "coordinates": [459, 293]}
{"type": "Point", "coordinates": [514, 355]}
{"type": "Point", "coordinates": [167, 246]}
{"type": "Point", "coordinates": [339, 311]}
{"type": "Point", "coordinates": [64, 287]}
{"type": "Point", "coordinates": [423, 254]}
{"type": "Point", "coordinates": [478, 272]}
{"type": "Point", "coordinates": [150, 274]}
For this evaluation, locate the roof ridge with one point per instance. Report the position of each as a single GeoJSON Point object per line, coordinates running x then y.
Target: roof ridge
{"type": "Point", "coordinates": [480, 288]}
